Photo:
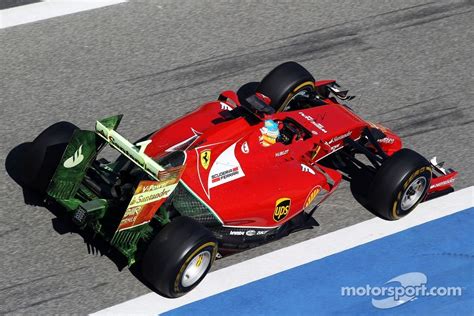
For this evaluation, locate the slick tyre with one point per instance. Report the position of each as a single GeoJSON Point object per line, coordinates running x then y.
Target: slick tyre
{"type": "Point", "coordinates": [400, 184]}
{"type": "Point", "coordinates": [179, 257]}
{"type": "Point", "coordinates": [284, 82]}
{"type": "Point", "coordinates": [44, 155]}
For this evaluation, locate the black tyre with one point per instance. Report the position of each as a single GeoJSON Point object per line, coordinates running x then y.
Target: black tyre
{"type": "Point", "coordinates": [247, 90]}
{"type": "Point", "coordinates": [284, 82]}
{"type": "Point", "coordinates": [45, 153]}
{"type": "Point", "coordinates": [179, 257]}
{"type": "Point", "coordinates": [399, 185]}
{"type": "Point", "coordinates": [361, 181]}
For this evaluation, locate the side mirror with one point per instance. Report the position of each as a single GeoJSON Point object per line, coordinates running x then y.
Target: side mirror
{"type": "Point", "coordinates": [341, 94]}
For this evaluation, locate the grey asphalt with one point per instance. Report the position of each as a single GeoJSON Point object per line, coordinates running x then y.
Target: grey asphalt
{"type": "Point", "coordinates": [409, 62]}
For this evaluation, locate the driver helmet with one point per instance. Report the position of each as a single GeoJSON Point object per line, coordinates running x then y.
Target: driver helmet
{"type": "Point", "coordinates": [269, 133]}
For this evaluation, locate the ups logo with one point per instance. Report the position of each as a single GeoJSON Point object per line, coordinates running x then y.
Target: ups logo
{"type": "Point", "coordinates": [282, 208]}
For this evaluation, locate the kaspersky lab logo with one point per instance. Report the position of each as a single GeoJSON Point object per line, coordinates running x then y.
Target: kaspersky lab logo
{"type": "Point", "coordinates": [75, 159]}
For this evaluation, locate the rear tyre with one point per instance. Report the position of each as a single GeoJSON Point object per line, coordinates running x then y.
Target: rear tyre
{"type": "Point", "coordinates": [44, 155]}
{"type": "Point", "coordinates": [179, 257]}
{"type": "Point", "coordinates": [285, 82]}
{"type": "Point", "coordinates": [400, 184]}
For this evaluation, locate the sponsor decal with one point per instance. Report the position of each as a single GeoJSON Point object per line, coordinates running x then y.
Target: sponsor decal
{"type": "Point", "coordinates": [205, 158]}
{"type": "Point", "coordinates": [336, 147]}
{"type": "Point", "coordinates": [171, 173]}
{"type": "Point", "coordinates": [443, 183]}
{"type": "Point", "coordinates": [320, 117]}
{"type": "Point", "coordinates": [395, 205]}
{"type": "Point", "coordinates": [386, 140]}
{"type": "Point", "coordinates": [75, 159]}
{"type": "Point", "coordinates": [282, 153]}
{"type": "Point", "coordinates": [315, 152]}
{"type": "Point", "coordinates": [414, 174]}
{"type": "Point", "coordinates": [225, 174]}
{"type": "Point", "coordinates": [308, 169]}
{"type": "Point", "coordinates": [130, 215]}
{"type": "Point", "coordinates": [128, 149]}
{"type": "Point", "coordinates": [245, 148]}
{"type": "Point", "coordinates": [142, 145]}
{"type": "Point", "coordinates": [337, 138]}
{"type": "Point", "coordinates": [148, 197]}
{"type": "Point", "coordinates": [249, 233]}
{"type": "Point", "coordinates": [282, 208]}
{"type": "Point", "coordinates": [311, 196]}
{"type": "Point", "coordinates": [226, 107]}
{"type": "Point", "coordinates": [316, 124]}
{"type": "Point", "coordinates": [224, 169]}
{"type": "Point", "coordinates": [199, 260]}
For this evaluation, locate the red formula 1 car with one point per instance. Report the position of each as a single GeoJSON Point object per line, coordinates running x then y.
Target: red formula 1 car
{"type": "Point", "coordinates": [246, 169]}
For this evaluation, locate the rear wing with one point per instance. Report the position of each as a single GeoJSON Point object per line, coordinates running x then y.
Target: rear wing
{"type": "Point", "coordinates": [79, 185]}
{"type": "Point", "coordinates": [106, 129]}
{"type": "Point", "coordinates": [84, 147]}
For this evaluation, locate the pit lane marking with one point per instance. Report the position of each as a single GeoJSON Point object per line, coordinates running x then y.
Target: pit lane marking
{"type": "Point", "coordinates": [47, 9]}
{"type": "Point", "coordinates": [290, 257]}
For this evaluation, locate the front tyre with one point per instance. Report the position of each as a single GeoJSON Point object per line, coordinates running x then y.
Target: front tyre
{"type": "Point", "coordinates": [179, 257]}
{"type": "Point", "coordinates": [284, 83]}
{"type": "Point", "coordinates": [400, 184]}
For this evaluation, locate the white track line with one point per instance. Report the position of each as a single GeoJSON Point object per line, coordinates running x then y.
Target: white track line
{"type": "Point", "coordinates": [48, 9]}
{"type": "Point", "coordinates": [296, 255]}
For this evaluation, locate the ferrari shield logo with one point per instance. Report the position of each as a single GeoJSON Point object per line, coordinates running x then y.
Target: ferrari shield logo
{"type": "Point", "coordinates": [205, 158]}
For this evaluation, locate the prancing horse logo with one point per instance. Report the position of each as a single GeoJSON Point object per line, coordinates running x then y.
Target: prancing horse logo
{"type": "Point", "coordinates": [205, 158]}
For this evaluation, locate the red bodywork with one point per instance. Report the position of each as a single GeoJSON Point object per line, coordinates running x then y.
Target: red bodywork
{"type": "Point", "coordinates": [248, 185]}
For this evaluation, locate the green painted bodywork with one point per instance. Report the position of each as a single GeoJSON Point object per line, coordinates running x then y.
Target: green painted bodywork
{"type": "Point", "coordinates": [101, 215]}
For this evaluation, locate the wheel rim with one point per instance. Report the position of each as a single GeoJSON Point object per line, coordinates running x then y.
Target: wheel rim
{"type": "Point", "coordinates": [304, 91]}
{"type": "Point", "coordinates": [413, 193]}
{"type": "Point", "coordinates": [196, 268]}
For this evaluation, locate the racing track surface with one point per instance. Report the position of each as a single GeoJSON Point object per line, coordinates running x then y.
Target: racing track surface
{"type": "Point", "coordinates": [409, 62]}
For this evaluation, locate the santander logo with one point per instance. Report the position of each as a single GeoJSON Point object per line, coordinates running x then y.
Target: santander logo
{"type": "Point", "coordinates": [75, 159]}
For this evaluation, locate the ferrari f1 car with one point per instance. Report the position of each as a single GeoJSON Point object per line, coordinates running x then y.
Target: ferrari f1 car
{"type": "Point", "coordinates": [237, 172]}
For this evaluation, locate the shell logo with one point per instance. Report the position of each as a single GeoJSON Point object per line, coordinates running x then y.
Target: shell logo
{"type": "Point", "coordinates": [311, 196]}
